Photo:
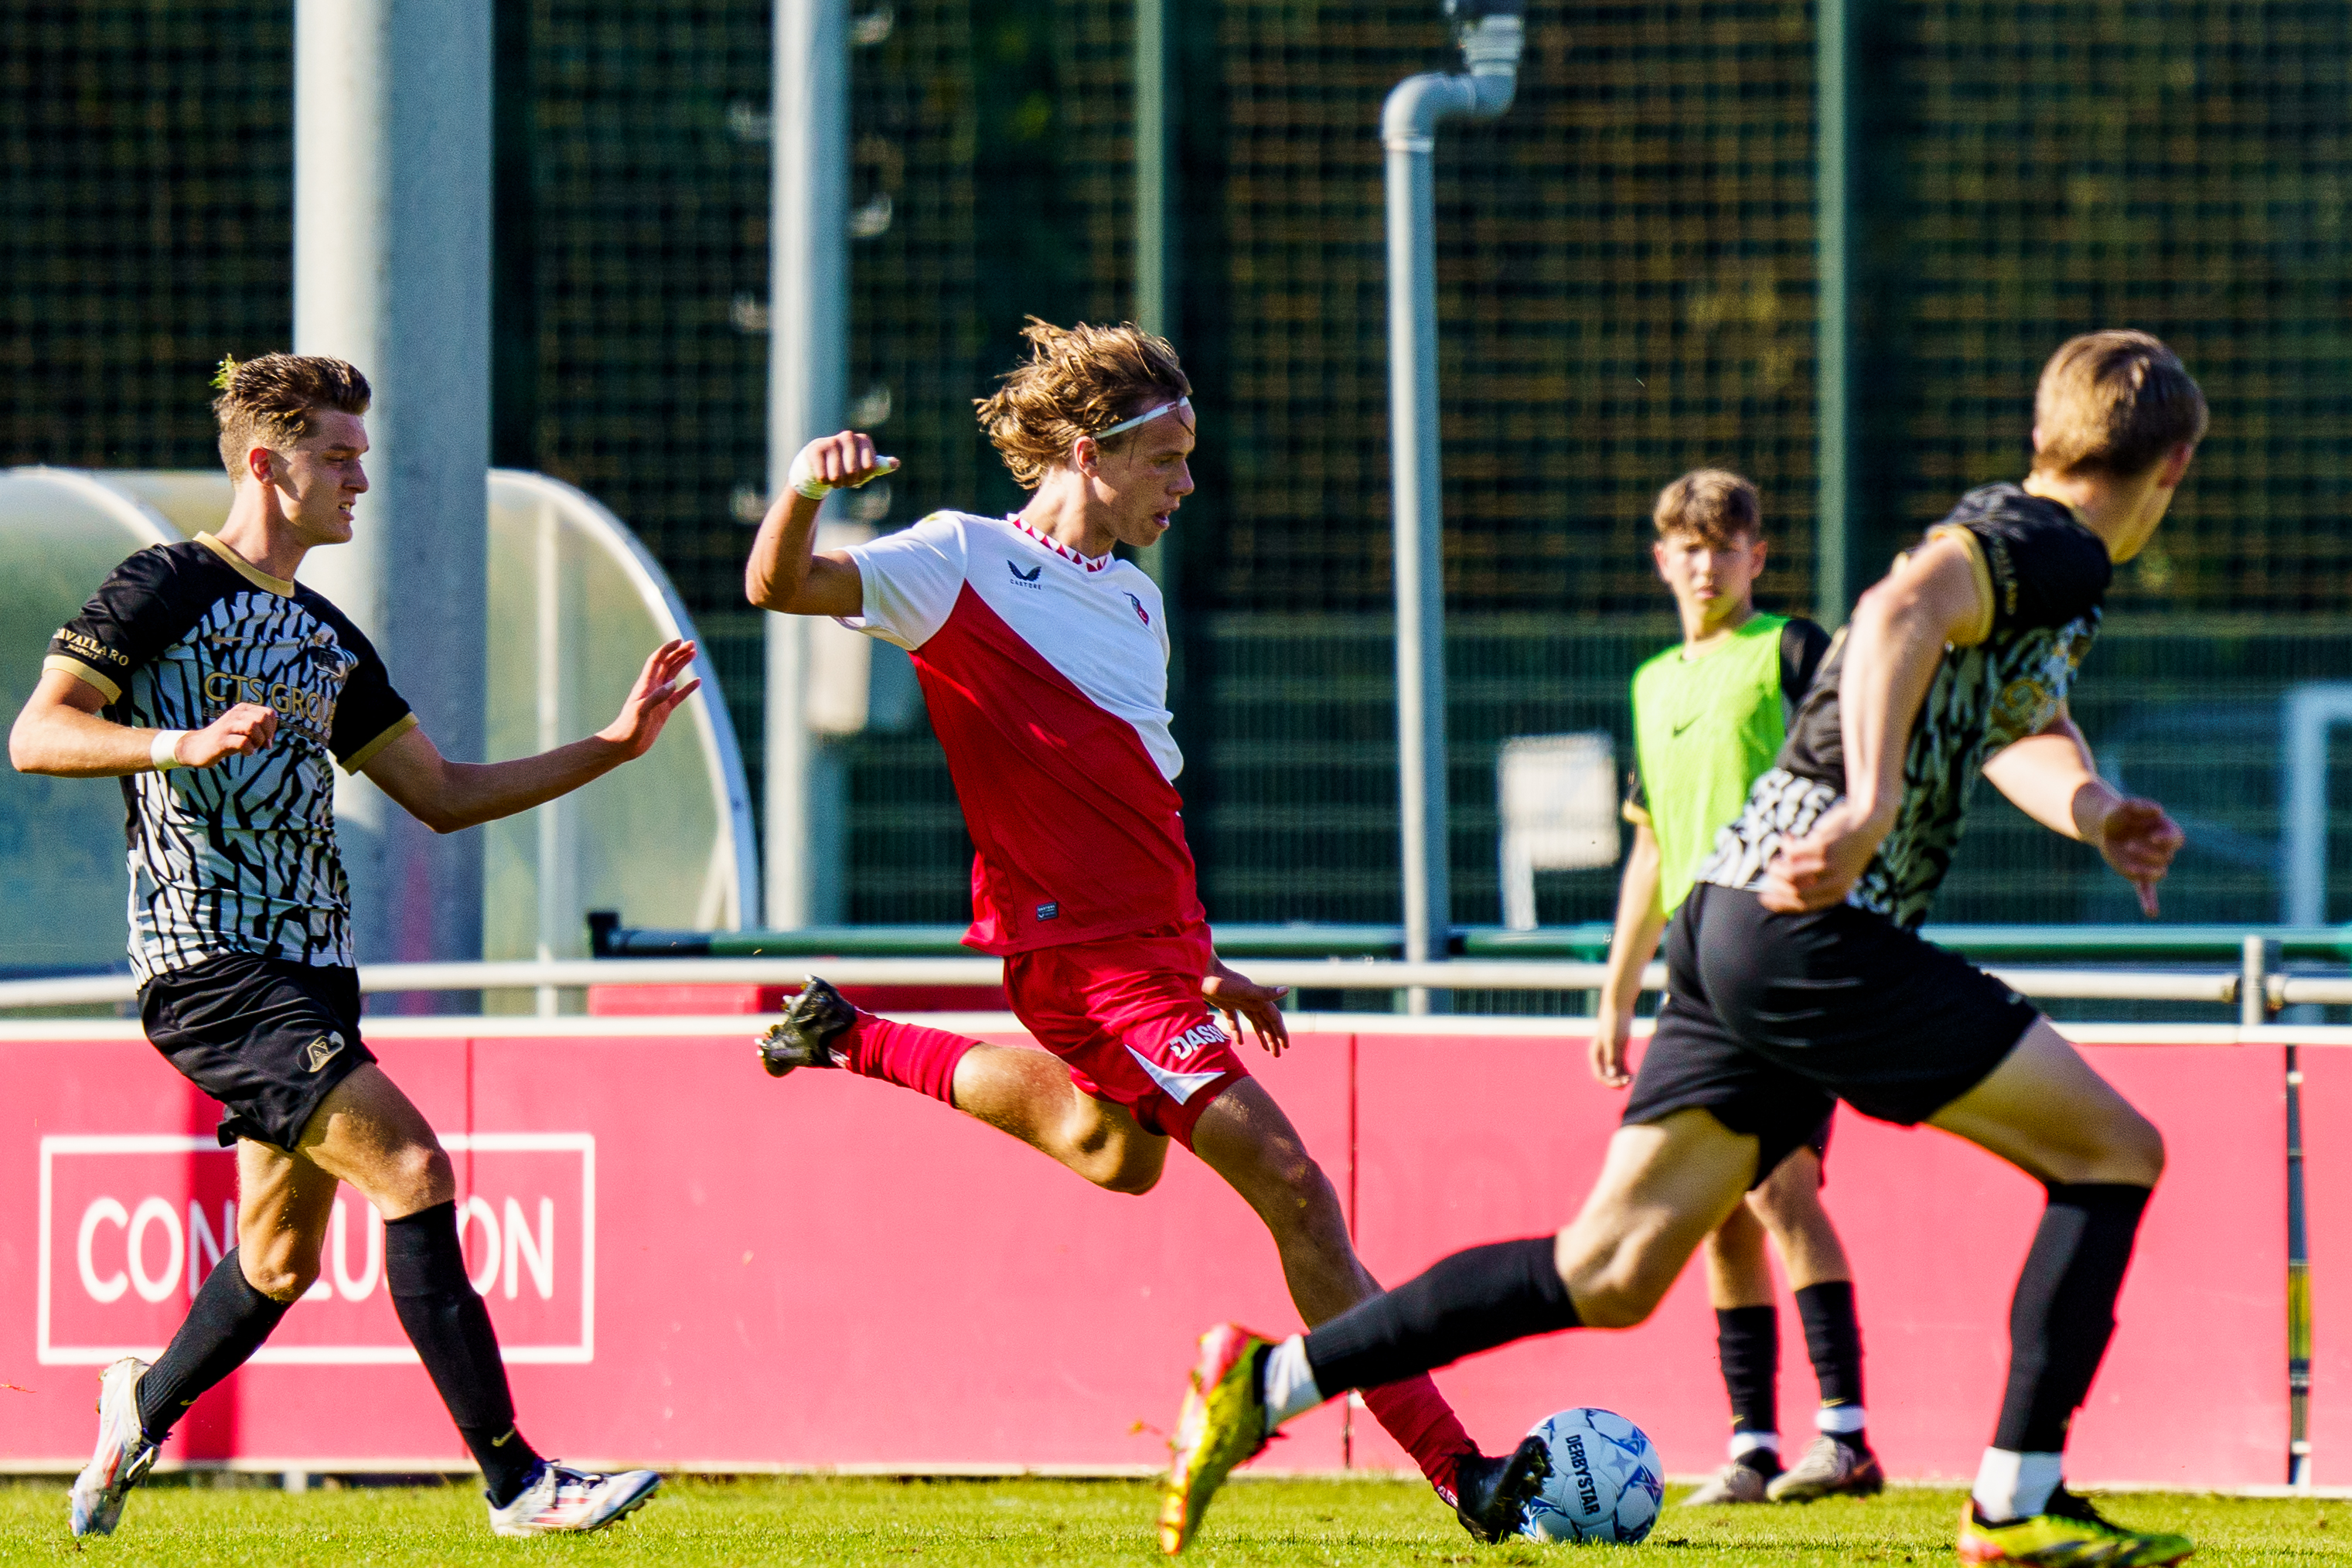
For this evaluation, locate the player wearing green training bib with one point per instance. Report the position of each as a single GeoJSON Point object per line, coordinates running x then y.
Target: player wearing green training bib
{"type": "Point", "coordinates": [1709, 715]}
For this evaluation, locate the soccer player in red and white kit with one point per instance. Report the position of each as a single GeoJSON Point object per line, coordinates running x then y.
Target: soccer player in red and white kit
{"type": "Point", "coordinates": [1043, 660]}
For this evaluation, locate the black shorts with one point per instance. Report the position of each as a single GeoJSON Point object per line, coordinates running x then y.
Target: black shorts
{"type": "Point", "coordinates": [1770, 1019]}
{"type": "Point", "coordinates": [265, 1037]}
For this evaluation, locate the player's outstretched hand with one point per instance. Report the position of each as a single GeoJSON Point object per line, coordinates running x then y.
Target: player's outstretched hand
{"type": "Point", "coordinates": [1611, 1032]}
{"type": "Point", "coordinates": [1817, 871]}
{"type": "Point", "coordinates": [652, 698]}
{"type": "Point", "coordinates": [2139, 841]}
{"type": "Point", "coordinates": [841, 462]}
{"type": "Point", "coordinates": [1247, 1006]}
{"type": "Point", "coordinates": [244, 730]}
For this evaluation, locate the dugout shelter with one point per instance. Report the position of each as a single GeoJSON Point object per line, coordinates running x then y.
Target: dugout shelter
{"type": "Point", "coordinates": [576, 603]}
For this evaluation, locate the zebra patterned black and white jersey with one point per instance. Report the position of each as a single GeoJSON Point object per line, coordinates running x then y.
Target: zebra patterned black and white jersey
{"type": "Point", "coordinates": [239, 856]}
{"type": "Point", "coordinates": [2042, 575]}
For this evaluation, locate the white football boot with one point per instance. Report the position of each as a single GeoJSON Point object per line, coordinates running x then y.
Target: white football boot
{"type": "Point", "coordinates": [124, 1452]}
{"type": "Point", "coordinates": [560, 1499]}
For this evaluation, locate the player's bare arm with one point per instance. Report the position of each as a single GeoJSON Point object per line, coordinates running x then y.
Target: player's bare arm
{"type": "Point", "coordinates": [784, 573]}
{"type": "Point", "coordinates": [1247, 1006]}
{"type": "Point", "coordinates": [1641, 920]}
{"type": "Point", "coordinates": [2051, 778]}
{"type": "Point", "coordinates": [447, 797]}
{"type": "Point", "coordinates": [1894, 644]}
{"type": "Point", "coordinates": [61, 733]}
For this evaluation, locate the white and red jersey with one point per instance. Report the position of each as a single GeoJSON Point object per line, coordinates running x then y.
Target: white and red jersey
{"type": "Point", "coordinates": [1046, 677]}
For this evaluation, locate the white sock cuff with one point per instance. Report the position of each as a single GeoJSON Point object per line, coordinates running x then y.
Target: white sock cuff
{"type": "Point", "coordinates": [2015, 1486]}
{"type": "Point", "coordinates": [1289, 1382]}
{"type": "Point", "coordinates": [1746, 1443]}
{"type": "Point", "coordinates": [1840, 1420]}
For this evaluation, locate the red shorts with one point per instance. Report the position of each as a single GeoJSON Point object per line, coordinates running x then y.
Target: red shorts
{"type": "Point", "coordinates": [1125, 1015]}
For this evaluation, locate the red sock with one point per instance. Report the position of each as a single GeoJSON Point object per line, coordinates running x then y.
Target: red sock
{"type": "Point", "coordinates": [904, 1054]}
{"type": "Point", "coordinates": [1417, 1416]}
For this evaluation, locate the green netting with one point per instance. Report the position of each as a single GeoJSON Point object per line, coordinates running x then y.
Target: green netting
{"type": "Point", "coordinates": [2178, 166]}
{"type": "Point", "coordinates": [1627, 289]}
{"type": "Point", "coordinates": [1625, 266]}
{"type": "Point", "coordinates": [146, 194]}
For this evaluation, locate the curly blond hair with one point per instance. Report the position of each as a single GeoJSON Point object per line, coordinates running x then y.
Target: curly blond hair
{"type": "Point", "coordinates": [268, 402]}
{"type": "Point", "coordinates": [1076, 380]}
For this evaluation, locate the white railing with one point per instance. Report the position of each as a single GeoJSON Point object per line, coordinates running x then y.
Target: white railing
{"type": "Point", "coordinates": [1322, 974]}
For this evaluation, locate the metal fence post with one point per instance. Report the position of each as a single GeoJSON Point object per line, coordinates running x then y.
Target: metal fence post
{"type": "Point", "coordinates": [1833, 395]}
{"type": "Point", "coordinates": [391, 271]}
{"type": "Point", "coordinates": [2260, 957]}
{"type": "Point", "coordinates": [808, 371]}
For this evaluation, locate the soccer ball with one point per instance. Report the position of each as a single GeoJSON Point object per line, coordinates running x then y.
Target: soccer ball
{"type": "Point", "coordinates": [1605, 1483]}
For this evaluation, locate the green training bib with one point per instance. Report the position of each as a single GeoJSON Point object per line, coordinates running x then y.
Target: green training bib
{"type": "Point", "coordinates": [1703, 729]}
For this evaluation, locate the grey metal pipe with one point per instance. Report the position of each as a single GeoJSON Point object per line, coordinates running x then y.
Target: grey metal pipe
{"type": "Point", "coordinates": [1491, 35]}
{"type": "Point", "coordinates": [391, 271]}
{"type": "Point", "coordinates": [808, 376]}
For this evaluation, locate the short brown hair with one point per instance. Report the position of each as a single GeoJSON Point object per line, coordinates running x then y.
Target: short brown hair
{"type": "Point", "coordinates": [1076, 381]}
{"type": "Point", "coordinates": [2114, 403]}
{"type": "Point", "coordinates": [1714, 503]}
{"type": "Point", "coordinates": [268, 402]}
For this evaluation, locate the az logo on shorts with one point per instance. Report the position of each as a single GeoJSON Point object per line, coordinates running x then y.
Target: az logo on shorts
{"type": "Point", "coordinates": [1193, 1038]}
{"type": "Point", "coordinates": [320, 1051]}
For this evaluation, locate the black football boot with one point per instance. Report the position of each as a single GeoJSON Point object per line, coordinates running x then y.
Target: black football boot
{"type": "Point", "coordinates": [1492, 1495]}
{"type": "Point", "coordinates": [803, 1037]}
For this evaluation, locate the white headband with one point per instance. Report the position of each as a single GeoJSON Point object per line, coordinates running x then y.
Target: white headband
{"type": "Point", "coordinates": [1145, 418]}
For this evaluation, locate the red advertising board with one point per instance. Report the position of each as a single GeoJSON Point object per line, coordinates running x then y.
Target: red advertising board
{"type": "Point", "coordinates": [691, 1265]}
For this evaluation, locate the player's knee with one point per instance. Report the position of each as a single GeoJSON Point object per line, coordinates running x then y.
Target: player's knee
{"type": "Point", "coordinates": [2125, 1147]}
{"type": "Point", "coordinates": [1617, 1286]}
{"type": "Point", "coordinates": [2141, 1152]}
{"type": "Point", "coordinates": [1132, 1178]}
{"type": "Point", "coordinates": [1787, 1206]}
{"type": "Point", "coordinates": [1128, 1168]}
{"type": "Point", "coordinates": [1615, 1301]}
{"type": "Point", "coordinates": [418, 1176]}
{"type": "Point", "coordinates": [281, 1266]}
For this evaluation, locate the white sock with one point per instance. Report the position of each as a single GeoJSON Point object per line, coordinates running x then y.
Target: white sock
{"type": "Point", "coordinates": [1746, 1443]}
{"type": "Point", "coordinates": [1289, 1382]}
{"type": "Point", "coordinates": [2015, 1486]}
{"type": "Point", "coordinates": [1840, 1420]}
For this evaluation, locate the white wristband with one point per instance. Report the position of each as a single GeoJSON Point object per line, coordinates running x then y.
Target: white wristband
{"type": "Point", "coordinates": [803, 479]}
{"type": "Point", "coordinates": [165, 752]}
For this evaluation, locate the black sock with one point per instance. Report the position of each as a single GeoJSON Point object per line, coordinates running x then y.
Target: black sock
{"type": "Point", "coordinates": [1472, 1301]}
{"type": "Point", "coordinates": [2064, 1310]}
{"type": "Point", "coordinates": [424, 1269]}
{"type": "Point", "coordinates": [1748, 1341]}
{"type": "Point", "coordinates": [1833, 1339]}
{"type": "Point", "coordinates": [226, 1324]}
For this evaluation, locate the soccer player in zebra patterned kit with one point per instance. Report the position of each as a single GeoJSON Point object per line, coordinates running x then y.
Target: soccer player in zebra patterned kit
{"type": "Point", "coordinates": [1797, 978]}
{"type": "Point", "coordinates": [1043, 661]}
{"type": "Point", "coordinates": [223, 694]}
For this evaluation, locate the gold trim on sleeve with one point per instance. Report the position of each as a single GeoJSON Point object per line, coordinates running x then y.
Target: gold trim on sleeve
{"type": "Point", "coordinates": [246, 569]}
{"type": "Point", "coordinates": [365, 754]}
{"type": "Point", "coordinates": [84, 674]}
{"type": "Point", "coordinates": [1981, 627]}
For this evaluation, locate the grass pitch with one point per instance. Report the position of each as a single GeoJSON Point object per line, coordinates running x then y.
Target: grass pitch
{"type": "Point", "coordinates": [1063, 1524]}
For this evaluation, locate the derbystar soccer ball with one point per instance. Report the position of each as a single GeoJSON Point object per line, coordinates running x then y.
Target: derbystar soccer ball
{"type": "Point", "coordinates": [1607, 1482]}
